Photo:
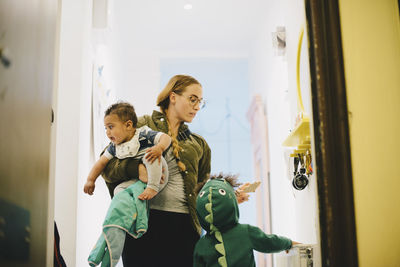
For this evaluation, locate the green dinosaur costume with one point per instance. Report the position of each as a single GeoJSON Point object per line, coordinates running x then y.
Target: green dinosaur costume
{"type": "Point", "coordinates": [227, 242]}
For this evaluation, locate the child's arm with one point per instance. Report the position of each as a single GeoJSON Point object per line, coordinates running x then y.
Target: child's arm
{"type": "Point", "coordinates": [94, 173]}
{"type": "Point", "coordinates": [268, 243]}
{"type": "Point", "coordinates": [156, 151]}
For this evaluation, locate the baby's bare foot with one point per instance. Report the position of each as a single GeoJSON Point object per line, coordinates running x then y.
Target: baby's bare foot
{"type": "Point", "coordinates": [147, 194]}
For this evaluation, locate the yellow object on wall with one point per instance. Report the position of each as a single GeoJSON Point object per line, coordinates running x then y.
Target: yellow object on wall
{"type": "Point", "coordinates": [300, 135]}
{"type": "Point", "coordinates": [371, 50]}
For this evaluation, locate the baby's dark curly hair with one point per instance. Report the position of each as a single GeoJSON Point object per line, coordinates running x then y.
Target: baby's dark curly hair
{"type": "Point", "coordinates": [124, 111]}
{"type": "Point", "coordinates": [230, 178]}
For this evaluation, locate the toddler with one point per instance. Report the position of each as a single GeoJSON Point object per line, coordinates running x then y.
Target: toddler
{"type": "Point", "coordinates": [228, 242]}
{"type": "Point", "coordinates": [120, 122]}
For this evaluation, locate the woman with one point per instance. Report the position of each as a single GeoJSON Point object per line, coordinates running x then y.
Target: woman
{"type": "Point", "coordinates": [173, 228]}
{"type": "Point", "coordinates": [173, 225]}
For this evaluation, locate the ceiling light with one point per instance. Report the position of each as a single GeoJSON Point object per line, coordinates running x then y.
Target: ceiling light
{"type": "Point", "coordinates": [187, 6]}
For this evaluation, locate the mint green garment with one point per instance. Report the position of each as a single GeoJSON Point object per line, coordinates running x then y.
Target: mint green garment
{"type": "Point", "coordinates": [126, 215]}
{"type": "Point", "coordinates": [227, 242]}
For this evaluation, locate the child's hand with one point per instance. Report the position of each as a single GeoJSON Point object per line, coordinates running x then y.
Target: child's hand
{"type": "Point", "coordinates": [89, 187]}
{"type": "Point", "coordinates": [242, 196]}
{"type": "Point", "coordinates": [154, 153]}
{"type": "Point", "coordinates": [293, 244]}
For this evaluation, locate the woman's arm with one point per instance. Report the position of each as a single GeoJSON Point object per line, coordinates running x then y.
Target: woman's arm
{"type": "Point", "coordinates": [118, 170]}
{"type": "Point", "coordinates": [204, 164]}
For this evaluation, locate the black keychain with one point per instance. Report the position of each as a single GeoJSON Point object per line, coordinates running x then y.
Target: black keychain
{"type": "Point", "coordinates": [300, 180]}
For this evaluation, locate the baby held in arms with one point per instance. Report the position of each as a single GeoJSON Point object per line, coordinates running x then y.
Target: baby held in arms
{"type": "Point", "coordinates": [120, 122]}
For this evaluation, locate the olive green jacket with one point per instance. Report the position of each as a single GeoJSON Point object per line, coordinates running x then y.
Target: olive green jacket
{"type": "Point", "coordinates": [195, 154]}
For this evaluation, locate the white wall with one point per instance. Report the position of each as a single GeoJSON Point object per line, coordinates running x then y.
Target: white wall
{"type": "Point", "coordinates": [66, 122]}
{"type": "Point", "coordinates": [294, 213]}
{"type": "Point", "coordinates": [136, 68]}
{"type": "Point", "coordinates": [73, 210]}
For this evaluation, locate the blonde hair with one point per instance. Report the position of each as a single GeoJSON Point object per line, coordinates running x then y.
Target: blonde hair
{"type": "Point", "coordinates": [177, 84]}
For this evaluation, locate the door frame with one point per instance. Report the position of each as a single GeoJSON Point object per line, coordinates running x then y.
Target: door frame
{"type": "Point", "coordinates": [331, 135]}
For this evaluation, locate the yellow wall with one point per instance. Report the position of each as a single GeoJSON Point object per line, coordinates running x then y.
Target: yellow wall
{"type": "Point", "coordinates": [371, 47]}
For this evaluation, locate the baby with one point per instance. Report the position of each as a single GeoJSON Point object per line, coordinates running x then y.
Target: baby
{"type": "Point", "coordinates": [120, 122]}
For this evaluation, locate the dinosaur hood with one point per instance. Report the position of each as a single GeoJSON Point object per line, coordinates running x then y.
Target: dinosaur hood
{"type": "Point", "coordinates": [216, 206]}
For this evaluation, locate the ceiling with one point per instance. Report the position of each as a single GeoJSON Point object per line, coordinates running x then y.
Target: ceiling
{"type": "Point", "coordinates": [165, 26]}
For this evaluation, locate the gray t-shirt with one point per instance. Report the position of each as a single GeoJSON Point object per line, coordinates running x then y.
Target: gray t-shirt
{"type": "Point", "coordinates": [172, 197]}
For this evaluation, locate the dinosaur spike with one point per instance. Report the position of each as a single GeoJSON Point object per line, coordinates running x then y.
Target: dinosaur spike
{"type": "Point", "coordinates": [220, 248]}
{"type": "Point", "coordinates": [208, 207]}
{"type": "Point", "coordinates": [222, 261]}
{"type": "Point", "coordinates": [209, 218]}
{"type": "Point", "coordinates": [218, 236]}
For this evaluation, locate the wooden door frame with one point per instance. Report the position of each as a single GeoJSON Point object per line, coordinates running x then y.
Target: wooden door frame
{"type": "Point", "coordinates": [259, 139]}
{"type": "Point", "coordinates": [331, 135]}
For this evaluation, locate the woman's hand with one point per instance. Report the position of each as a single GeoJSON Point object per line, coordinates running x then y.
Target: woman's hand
{"type": "Point", "coordinates": [242, 196]}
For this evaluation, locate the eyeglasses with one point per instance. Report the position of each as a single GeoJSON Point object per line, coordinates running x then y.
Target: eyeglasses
{"type": "Point", "coordinates": [194, 100]}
